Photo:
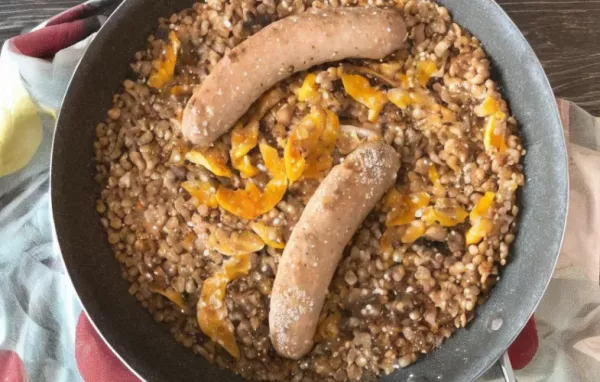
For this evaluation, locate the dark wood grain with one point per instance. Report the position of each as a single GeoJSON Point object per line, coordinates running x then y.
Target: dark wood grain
{"type": "Point", "coordinates": [566, 38]}
{"type": "Point", "coordinates": [17, 15]}
{"type": "Point", "coordinates": [564, 34]}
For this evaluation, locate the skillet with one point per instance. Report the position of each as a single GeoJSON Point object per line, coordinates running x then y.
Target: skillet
{"type": "Point", "coordinates": [150, 351]}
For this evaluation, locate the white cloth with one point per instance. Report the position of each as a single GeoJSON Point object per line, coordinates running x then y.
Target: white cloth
{"type": "Point", "coordinates": [38, 307]}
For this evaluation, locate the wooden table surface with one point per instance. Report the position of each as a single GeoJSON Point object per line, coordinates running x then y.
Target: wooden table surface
{"type": "Point", "coordinates": [564, 34]}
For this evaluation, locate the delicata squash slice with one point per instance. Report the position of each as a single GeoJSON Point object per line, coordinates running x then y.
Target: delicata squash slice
{"type": "Point", "coordinates": [251, 202]}
{"type": "Point", "coordinates": [309, 148]}
{"type": "Point", "coordinates": [211, 311]}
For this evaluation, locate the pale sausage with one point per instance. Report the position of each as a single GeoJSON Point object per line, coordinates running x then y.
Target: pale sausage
{"type": "Point", "coordinates": [284, 47]}
{"type": "Point", "coordinates": [331, 217]}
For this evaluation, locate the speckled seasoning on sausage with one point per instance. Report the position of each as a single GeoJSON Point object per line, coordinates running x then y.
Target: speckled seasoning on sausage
{"type": "Point", "coordinates": [290, 45]}
{"type": "Point", "coordinates": [331, 217]}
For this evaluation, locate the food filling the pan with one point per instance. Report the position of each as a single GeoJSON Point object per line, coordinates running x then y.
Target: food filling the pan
{"type": "Point", "coordinates": [201, 224]}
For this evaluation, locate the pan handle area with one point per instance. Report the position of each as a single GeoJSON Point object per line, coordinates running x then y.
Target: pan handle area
{"type": "Point", "coordinates": [501, 371]}
{"type": "Point", "coordinates": [506, 366]}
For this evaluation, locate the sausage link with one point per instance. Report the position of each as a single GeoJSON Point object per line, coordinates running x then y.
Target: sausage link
{"type": "Point", "coordinates": [284, 47]}
{"type": "Point", "coordinates": [331, 217]}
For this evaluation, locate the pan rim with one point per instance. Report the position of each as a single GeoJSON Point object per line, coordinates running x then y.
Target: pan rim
{"type": "Point", "coordinates": [55, 237]}
{"type": "Point", "coordinates": [556, 117]}
{"type": "Point", "coordinates": [71, 268]}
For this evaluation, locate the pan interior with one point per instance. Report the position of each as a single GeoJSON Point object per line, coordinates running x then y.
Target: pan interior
{"type": "Point", "coordinates": [149, 349]}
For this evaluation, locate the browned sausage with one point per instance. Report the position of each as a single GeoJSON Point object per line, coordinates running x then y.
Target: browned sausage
{"type": "Point", "coordinates": [331, 217]}
{"type": "Point", "coordinates": [289, 45]}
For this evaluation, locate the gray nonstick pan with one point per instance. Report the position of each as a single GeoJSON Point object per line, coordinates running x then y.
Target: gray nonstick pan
{"type": "Point", "coordinates": [149, 349]}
